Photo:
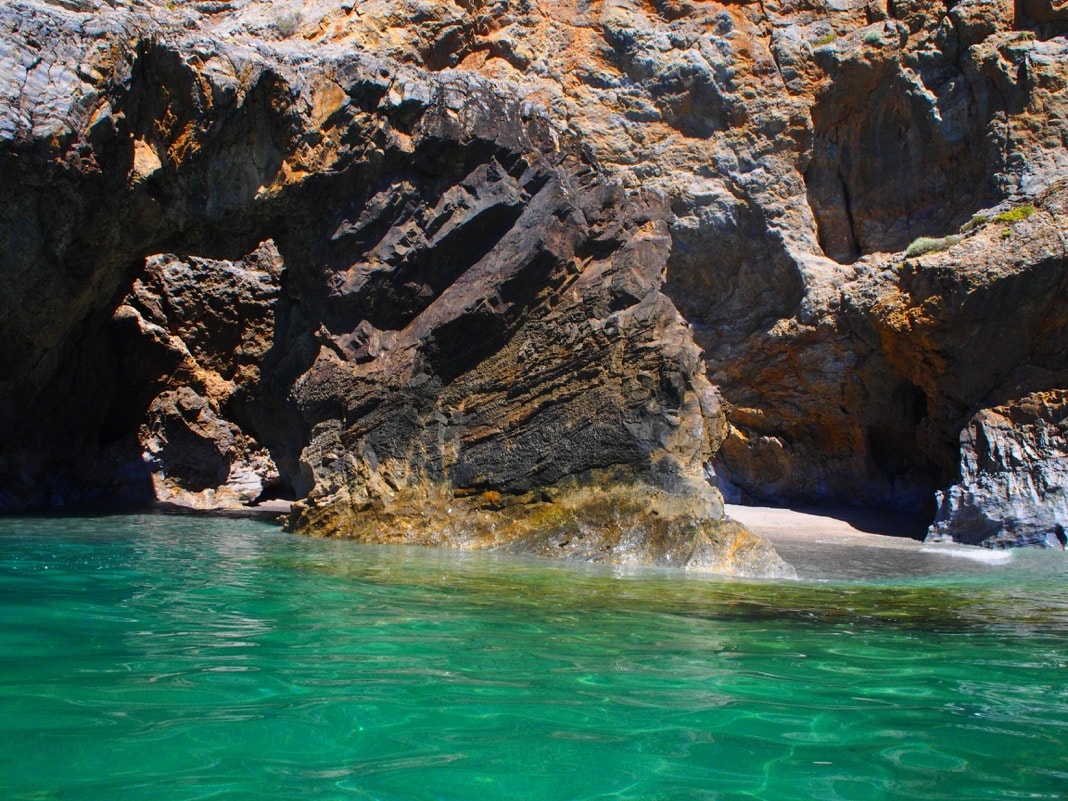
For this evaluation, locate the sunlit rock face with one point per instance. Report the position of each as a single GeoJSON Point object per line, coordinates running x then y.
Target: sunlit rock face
{"type": "Point", "coordinates": [1014, 477]}
{"type": "Point", "coordinates": [386, 255]}
{"type": "Point", "coordinates": [340, 279]}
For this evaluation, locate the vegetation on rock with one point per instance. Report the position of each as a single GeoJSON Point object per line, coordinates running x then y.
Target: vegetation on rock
{"type": "Point", "coordinates": [977, 221]}
{"type": "Point", "coordinates": [1015, 215]}
{"type": "Point", "coordinates": [925, 244]}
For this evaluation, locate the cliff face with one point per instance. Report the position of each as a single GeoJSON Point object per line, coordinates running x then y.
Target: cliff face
{"type": "Point", "coordinates": [442, 269]}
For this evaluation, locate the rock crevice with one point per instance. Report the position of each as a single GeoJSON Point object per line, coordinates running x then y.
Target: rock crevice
{"type": "Point", "coordinates": [401, 254]}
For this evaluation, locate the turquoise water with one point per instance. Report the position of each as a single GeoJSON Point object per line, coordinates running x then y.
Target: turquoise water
{"type": "Point", "coordinates": [183, 658]}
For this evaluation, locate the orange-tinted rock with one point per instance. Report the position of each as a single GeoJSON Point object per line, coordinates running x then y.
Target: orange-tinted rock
{"type": "Point", "coordinates": [390, 149]}
{"type": "Point", "coordinates": [376, 283]}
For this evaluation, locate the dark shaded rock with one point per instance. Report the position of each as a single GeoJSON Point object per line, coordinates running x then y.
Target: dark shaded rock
{"type": "Point", "coordinates": [469, 314]}
{"type": "Point", "coordinates": [903, 147]}
{"type": "Point", "coordinates": [475, 204]}
{"type": "Point", "coordinates": [822, 405]}
{"type": "Point", "coordinates": [1048, 18]}
{"type": "Point", "coordinates": [981, 318]}
{"type": "Point", "coordinates": [213, 325]}
{"type": "Point", "coordinates": [550, 359]}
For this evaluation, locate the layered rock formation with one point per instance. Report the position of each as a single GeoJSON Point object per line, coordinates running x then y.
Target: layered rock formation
{"type": "Point", "coordinates": [444, 268]}
{"type": "Point", "coordinates": [405, 299]}
{"type": "Point", "coordinates": [804, 147]}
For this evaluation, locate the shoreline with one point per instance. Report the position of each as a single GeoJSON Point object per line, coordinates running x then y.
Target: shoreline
{"type": "Point", "coordinates": [269, 511]}
{"type": "Point", "coordinates": [847, 544]}
{"type": "Point", "coordinates": [821, 543]}
{"type": "Point", "coordinates": [859, 527]}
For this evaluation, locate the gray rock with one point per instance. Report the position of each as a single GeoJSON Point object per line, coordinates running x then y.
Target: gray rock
{"type": "Point", "coordinates": [468, 335]}
{"type": "Point", "coordinates": [1014, 477]}
{"type": "Point", "coordinates": [476, 210]}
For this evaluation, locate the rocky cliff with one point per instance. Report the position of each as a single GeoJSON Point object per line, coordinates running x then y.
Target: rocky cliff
{"type": "Point", "coordinates": [521, 274]}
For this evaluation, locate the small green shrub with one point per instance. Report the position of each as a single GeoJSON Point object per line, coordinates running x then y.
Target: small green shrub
{"type": "Point", "coordinates": [287, 23]}
{"type": "Point", "coordinates": [926, 244]}
{"type": "Point", "coordinates": [974, 222]}
{"type": "Point", "coordinates": [873, 38]}
{"type": "Point", "coordinates": [825, 40]}
{"type": "Point", "coordinates": [1015, 215]}
{"type": "Point", "coordinates": [1006, 234]}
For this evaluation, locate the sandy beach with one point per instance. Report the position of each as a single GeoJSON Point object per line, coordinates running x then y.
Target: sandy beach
{"type": "Point", "coordinates": [859, 544]}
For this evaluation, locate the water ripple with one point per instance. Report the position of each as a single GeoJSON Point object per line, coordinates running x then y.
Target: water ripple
{"type": "Point", "coordinates": [183, 659]}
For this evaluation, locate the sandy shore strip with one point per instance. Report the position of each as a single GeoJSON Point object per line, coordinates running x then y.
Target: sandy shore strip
{"type": "Point", "coordinates": [822, 544]}
{"type": "Point", "coordinates": [267, 510]}
{"type": "Point", "coordinates": [874, 529]}
{"type": "Point", "coordinates": [858, 544]}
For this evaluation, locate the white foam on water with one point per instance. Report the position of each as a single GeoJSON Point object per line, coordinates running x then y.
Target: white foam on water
{"type": "Point", "coordinates": [975, 554]}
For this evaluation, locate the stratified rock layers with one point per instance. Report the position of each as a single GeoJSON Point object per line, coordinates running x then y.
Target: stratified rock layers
{"type": "Point", "coordinates": [403, 298]}
{"type": "Point", "coordinates": [443, 268]}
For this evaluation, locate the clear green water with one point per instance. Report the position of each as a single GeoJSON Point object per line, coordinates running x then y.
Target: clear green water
{"type": "Point", "coordinates": [179, 658]}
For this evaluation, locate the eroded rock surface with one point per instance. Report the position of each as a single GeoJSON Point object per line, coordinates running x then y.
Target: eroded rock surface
{"type": "Point", "coordinates": [194, 337]}
{"type": "Point", "coordinates": [401, 297]}
{"type": "Point", "coordinates": [477, 246]}
{"type": "Point", "coordinates": [1014, 485]}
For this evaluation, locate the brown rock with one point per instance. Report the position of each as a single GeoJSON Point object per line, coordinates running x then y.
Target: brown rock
{"type": "Point", "coordinates": [216, 321]}
{"type": "Point", "coordinates": [468, 307]}
{"type": "Point", "coordinates": [472, 212]}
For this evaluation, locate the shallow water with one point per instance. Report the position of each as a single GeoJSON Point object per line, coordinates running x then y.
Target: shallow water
{"type": "Point", "coordinates": [183, 658]}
